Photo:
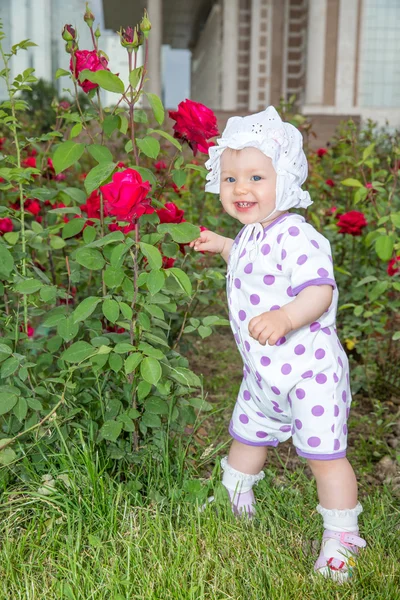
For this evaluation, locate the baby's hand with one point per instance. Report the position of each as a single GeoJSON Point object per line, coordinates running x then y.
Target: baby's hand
{"type": "Point", "coordinates": [270, 326]}
{"type": "Point", "coordinates": [209, 242]}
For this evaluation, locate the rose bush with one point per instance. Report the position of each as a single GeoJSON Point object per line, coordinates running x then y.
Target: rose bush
{"type": "Point", "coordinates": [95, 293]}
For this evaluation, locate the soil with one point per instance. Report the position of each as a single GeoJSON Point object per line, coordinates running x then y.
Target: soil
{"type": "Point", "coordinates": [373, 441]}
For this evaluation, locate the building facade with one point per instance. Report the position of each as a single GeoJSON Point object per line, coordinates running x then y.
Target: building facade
{"type": "Point", "coordinates": [338, 57]}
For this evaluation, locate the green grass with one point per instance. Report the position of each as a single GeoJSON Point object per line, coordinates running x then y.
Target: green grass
{"type": "Point", "coordinates": [96, 539]}
{"type": "Point", "coordinates": [141, 535]}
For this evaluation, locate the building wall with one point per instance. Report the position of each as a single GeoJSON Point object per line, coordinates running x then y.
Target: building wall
{"type": "Point", "coordinates": [206, 62]}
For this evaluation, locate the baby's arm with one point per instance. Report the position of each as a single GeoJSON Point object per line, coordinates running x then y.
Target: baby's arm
{"type": "Point", "coordinates": [212, 242]}
{"type": "Point", "coordinates": [308, 306]}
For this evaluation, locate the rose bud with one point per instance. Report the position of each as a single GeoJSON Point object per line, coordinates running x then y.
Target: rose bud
{"type": "Point", "coordinates": [145, 24]}
{"type": "Point", "coordinates": [88, 17]}
{"type": "Point", "coordinates": [68, 33]}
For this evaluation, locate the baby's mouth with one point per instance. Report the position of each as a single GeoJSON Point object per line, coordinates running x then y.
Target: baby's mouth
{"type": "Point", "coordinates": [244, 204]}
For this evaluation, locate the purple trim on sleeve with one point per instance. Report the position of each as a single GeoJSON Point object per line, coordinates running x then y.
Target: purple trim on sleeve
{"type": "Point", "coordinates": [319, 281]}
{"type": "Point", "coordinates": [247, 442]}
{"type": "Point", "coordinates": [333, 456]}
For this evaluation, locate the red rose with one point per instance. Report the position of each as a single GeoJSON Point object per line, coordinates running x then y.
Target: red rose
{"type": "Point", "coordinates": [170, 213]}
{"type": "Point", "coordinates": [30, 331]}
{"type": "Point", "coordinates": [393, 266]}
{"type": "Point", "coordinates": [121, 165]}
{"type": "Point", "coordinates": [177, 189]}
{"type": "Point", "coordinates": [6, 225]}
{"type": "Point", "coordinates": [2, 142]}
{"type": "Point", "coordinates": [160, 165]}
{"type": "Point", "coordinates": [330, 182]}
{"type": "Point", "coordinates": [87, 59]}
{"type": "Point", "coordinates": [92, 206]}
{"type": "Point", "coordinates": [125, 229]}
{"type": "Point", "coordinates": [167, 263]}
{"type": "Point", "coordinates": [29, 162]}
{"type": "Point", "coordinates": [125, 196]}
{"type": "Point", "coordinates": [352, 222]}
{"type": "Point", "coordinates": [321, 152]}
{"type": "Point", "coordinates": [32, 206]}
{"type": "Point", "coordinates": [195, 124]}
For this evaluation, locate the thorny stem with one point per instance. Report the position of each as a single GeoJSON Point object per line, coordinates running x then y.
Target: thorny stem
{"type": "Point", "coordinates": [13, 128]}
{"type": "Point", "coordinates": [102, 235]}
{"type": "Point", "coordinates": [131, 112]}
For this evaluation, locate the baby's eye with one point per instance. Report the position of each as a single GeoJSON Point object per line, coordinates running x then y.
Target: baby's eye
{"type": "Point", "coordinates": [256, 178]}
{"type": "Point", "coordinates": [230, 179]}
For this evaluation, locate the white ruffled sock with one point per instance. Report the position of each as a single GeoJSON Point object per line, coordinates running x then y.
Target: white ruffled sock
{"type": "Point", "coordinates": [239, 486]}
{"type": "Point", "coordinates": [339, 520]}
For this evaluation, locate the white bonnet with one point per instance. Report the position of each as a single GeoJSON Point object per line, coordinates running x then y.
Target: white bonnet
{"type": "Point", "coordinates": [282, 142]}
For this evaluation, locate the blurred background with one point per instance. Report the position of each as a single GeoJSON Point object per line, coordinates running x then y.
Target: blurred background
{"type": "Point", "coordinates": [337, 58]}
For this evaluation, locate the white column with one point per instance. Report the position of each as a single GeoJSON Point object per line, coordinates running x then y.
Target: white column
{"type": "Point", "coordinates": [317, 11]}
{"type": "Point", "coordinates": [155, 41]}
{"type": "Point", "coordinates": [41, 35]}
{"type": "Point", "coordinates": [19, 32]}
{"type": "Point", "coordinates": [346, 54]}
{"type": "Point", "coordinates": [230, 49]}
{"type": "Point", "coordinates": [254, 54]}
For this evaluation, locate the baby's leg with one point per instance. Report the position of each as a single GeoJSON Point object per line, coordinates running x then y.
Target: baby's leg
{"type": "Point", "coordinates": [337, 493]}
{"type": "Point", "coordinates": [242, 469]}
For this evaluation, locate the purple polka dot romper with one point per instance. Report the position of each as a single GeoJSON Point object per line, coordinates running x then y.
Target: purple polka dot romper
{"type": "Point", "coordinates": [299, 387]}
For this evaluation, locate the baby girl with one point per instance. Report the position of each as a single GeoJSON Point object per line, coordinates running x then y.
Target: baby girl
{"type": "Point", "coordinates": [282, 299]}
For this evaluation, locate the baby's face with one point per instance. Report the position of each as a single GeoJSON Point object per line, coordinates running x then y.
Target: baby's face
{"type": "Point", "coordinates": [248, 185]}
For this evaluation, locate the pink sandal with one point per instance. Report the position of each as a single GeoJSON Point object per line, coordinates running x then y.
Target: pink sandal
{"type": "Point", "coordinates": [337, 569]}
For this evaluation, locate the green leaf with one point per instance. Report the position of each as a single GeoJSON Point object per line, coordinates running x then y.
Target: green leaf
{"type": "Point", "coordinates": [198, 168]}
{"type": "Point", "coordinates": [155, 281]}
{"type": "Point", "coordinates": [204, 331]}
{"type": "Point", "coordinates": [67, 329]}
{"type": "Point", "coordinates": [114, 236]}
{"type": "Point", "coordinates": [384, 247]}
{"type": "Point", "coordinates": [85, 308]}
{"type": "Point", "coordinates": [182, 233]}
{"type": "Point", "coordinates": [396, 336]}
{"type": "Point", "coordinates": [126, 310]}
{"type": "Point", "coordinates": [156, 106]}
{"type": "Point", "coordinates": [149, 146]}
{"type": "Point", "coordinates": [365, 280]}
{"type": "Point", "coordinates": [90, 258]}
{"type": "Point", "coordinates": [34, 404]}
{"type": "Point", "coordinates": [140, 116]}
{"type": "Point", "coordinates": [156, 405]}
{"type": "Point", "coordinates": [66, 155]}
{"type": "Point", "coordinates": [7, 456]}
{"type": "Point", "coordinates": [182, 279]}
{"type": "Point", "coordinates": [111, 310]}
{"type": "Point", "coordinates": [179, 177]}
{"type": "Point", "coordinates": [134, 76]}
{"type": "Point", "coordinates": [48, 293]}
{"type": "Point", "coordinates": [98, 175]}
{"type": "Point", "coordinates": [132, 362]}
{"type": "Point", "coordinates": [150, 370]}
{"type": "Point", "coordinates": [61, 73]}
{"type": "Point", "coordinates": [78, 352]}
{"type": "Point", "coordinates": [352, 182]}
{"type": "Point", "coordinates": [100, 153]}
{"type": "Point", "coordinates": [6, 261]}
{"type": "Point", "coordinates": [5, 349]}
{"type": "Point", "coordinates": [378, 290]}
{"type": "Point", "coordinates": [28, 286]}
{"type": "Point", "coordinates": [113, 277]}
{"type": "Point", "coordinates": [115, 362]}
{"type": "Point", "coordinates": [56, 242]}
{"type": "Point", "coordinates": [20, 409]}
{"type": "Point", "coordinates": [76, 130]}
{"type": "Point", "coordinates": [110, 124]}
{"type": "Point", "coordinates": [111, 430]}
{"type": "Point", "coordinates": [76, 194]}
{"type": "Point", "coordinates": [7, 402]}
{"type": "Point", "coordinates": [395, 217]}
{"type": "Point", "coordinates": [368, 151]}
{"type": "Point", "coordinates": [151, 420]}
{"type": "Point", "coordinates": [152, 254]}
{"type": "Point", "coordinates": [124, 347]}
{"type": "Point", "coordinates": [184, 376]}
{"type": "Point", "coordinates": [168, 137]}
{"type": "Point", "coordinates": [89, 234]}
{"type": "Point", "coordinates": [73, 227]}
{"type": "Point", "coordinates": [105, 79]}
{"type": "Point", "coordinates": [151, 351]}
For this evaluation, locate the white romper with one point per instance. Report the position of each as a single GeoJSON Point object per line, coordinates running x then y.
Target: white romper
{"type": "Point", "coordinates": [299, 387]}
